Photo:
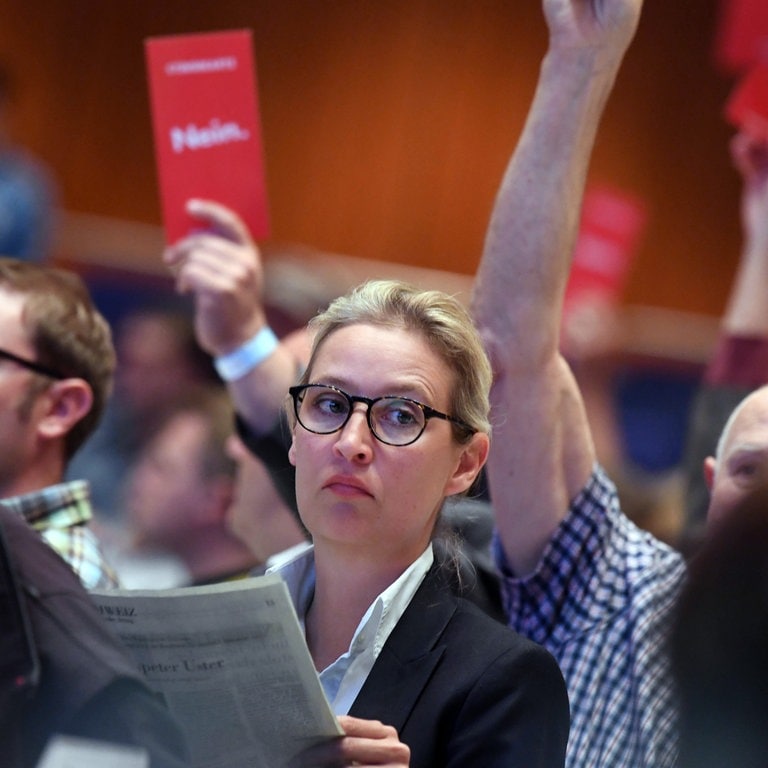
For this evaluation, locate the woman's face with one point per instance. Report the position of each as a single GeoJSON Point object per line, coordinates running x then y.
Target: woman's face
{"type": "Point", "coordinates": [356, 492]}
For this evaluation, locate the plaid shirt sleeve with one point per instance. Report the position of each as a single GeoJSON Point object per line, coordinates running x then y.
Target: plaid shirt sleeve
{"type": "Point", "coordinates": [600, 602]}
{"type": "Point", "coordinates": [61, 514]}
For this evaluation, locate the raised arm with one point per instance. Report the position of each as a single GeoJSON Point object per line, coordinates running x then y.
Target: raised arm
{"type": "Point", "coordinates": [542, 452]}
{"type": "Point", "coordinates": [221, 267]}
{"type": "Point", "coordinates": [746, 313]}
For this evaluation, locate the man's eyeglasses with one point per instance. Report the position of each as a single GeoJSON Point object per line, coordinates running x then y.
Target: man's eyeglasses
{"type": "Point", "coordinates": [31, 365]}
{"type": "Point", "coordinates": [394, 420]}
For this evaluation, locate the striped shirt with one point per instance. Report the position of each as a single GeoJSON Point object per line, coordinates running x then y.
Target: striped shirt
{"type": "Point", "coordinates": [600, 602]}
{"type": "Point", "coordinates": [61, 513]}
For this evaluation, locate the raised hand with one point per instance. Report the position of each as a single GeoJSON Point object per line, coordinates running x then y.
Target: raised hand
{"type": "Point", "coordinates": [221, 266]}
{"type": "Point", "coordinates": [606, 24]}
{"type": "Point", "coordinates": [750, 156]}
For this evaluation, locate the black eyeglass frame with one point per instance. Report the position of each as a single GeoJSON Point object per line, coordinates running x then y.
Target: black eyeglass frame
{"type": "Point", "coordinates": [297, 391]}
{"type": "Point", "coordinates": [31, 365]}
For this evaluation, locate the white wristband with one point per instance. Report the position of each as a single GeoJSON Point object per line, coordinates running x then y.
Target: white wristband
{"type": "Point", "coordinates": [237, 363]}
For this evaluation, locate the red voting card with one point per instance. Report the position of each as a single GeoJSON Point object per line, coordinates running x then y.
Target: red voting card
{"type": "Point", "coordinates": [206, 127]}
{"type": "Point", "coordinates": [611, 225]}
{"type": "Point", "coordinates": [741, 39]}
{"type": "Point", "coordinates": [747, 107]}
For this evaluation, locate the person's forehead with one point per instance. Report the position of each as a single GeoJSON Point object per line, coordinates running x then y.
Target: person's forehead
{"type": "Point", "coordinates": [391, 356]}
{"type": "Point", "coordinates": [12, 301]}
{"type": "Point", "coordinates": [186, 427]}
{"type": "Point", "coordinates": [751, 424]}
{"type": "Point", "coordinates": [12, 331]}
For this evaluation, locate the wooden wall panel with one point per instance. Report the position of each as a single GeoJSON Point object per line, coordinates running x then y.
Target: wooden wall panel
{"type": "Point", "coordinates": [388, 124]}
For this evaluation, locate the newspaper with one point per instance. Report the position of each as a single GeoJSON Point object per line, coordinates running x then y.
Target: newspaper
{"type": "Point", "coordinates": [232, 665]}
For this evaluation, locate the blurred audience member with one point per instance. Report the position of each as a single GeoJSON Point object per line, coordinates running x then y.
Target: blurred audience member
{"type": "Point", "coordinates": [56, 366]}
{"type": "Point", "coordinates": [740, 360]}
{"type": "Point", "coordinates": [158, 360]}
{"type": "Point", "coordinates": [258, 515]}
{"type": "Point", "coordinates": [179, 492]}
{"type": "Point", "coordinates": [27, 189]}
{"type": "Point", "coordinates": [720, 642]}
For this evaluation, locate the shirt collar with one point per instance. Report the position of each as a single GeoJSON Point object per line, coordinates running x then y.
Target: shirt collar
{"type": "Point", "coordinates": [299, 576]}
{"type": "Point", "coordinates": [58, 506]}
{"type": "Point", "coordinates": [343, 679]}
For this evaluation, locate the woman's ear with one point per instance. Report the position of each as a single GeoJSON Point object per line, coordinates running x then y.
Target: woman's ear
{"type": "Point", "coordinates": [68, 401]}
{"type": "Point", "coordinates": [471, 460]}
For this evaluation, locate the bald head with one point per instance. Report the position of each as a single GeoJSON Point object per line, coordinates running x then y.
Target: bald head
{"type": "Point", "coordinates": [740, 467]}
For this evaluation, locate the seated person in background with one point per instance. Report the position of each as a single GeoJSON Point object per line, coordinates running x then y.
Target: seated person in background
{"type": "Point", "coordinates": [179, 495]}
{"type": "Point", "coordinates": [56, 365]}
{"type": "Point", "coordinates": [720, 642]}
{"type": "Point", "coordinates": [78, 680]}
{"type": "Point", "coordinates": [740, 361]}
{"type": "Point", "coordinates": [158, 360]}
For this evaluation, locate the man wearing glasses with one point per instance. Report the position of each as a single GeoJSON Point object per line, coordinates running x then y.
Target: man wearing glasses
{"type": "Point", "coordinates": [56, 367]}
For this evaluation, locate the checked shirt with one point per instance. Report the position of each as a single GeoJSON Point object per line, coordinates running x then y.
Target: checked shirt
{"type": "Point", "coordinates": [600, 602]}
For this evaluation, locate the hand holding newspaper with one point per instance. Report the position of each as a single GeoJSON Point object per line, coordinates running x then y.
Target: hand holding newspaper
{"type": "Point", "coordinates": [232, 665]}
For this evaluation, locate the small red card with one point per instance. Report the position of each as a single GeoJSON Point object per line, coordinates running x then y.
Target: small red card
{"type": "Point", "coordinates": [741, 39]}
{"type": "Point", "coordinates": [610, 229]}
{"type": "Point", "coordinates": [206, 127]}
{"type": "Point", "coordinates": [747, 106]}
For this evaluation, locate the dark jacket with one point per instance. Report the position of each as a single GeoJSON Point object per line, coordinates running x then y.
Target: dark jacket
{"type": "Point", "coordinates": [463, 690]}
{"type": "Point", "coordinates": [62, 670]}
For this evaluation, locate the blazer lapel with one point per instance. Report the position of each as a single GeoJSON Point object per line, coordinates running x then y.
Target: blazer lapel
{"type": "Point", "coordinates": [409, 656]}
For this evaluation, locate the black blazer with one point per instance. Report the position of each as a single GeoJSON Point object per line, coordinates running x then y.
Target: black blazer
{"type": "Point", "coordinates": [464, 690]}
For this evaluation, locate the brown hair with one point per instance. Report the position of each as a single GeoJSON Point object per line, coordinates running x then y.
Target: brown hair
{"type": "Point", "coordinates": [68, 333]}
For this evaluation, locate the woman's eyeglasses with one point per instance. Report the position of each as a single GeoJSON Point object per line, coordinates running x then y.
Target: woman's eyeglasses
{"type": "Point", "coordinates": [394, 420]}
